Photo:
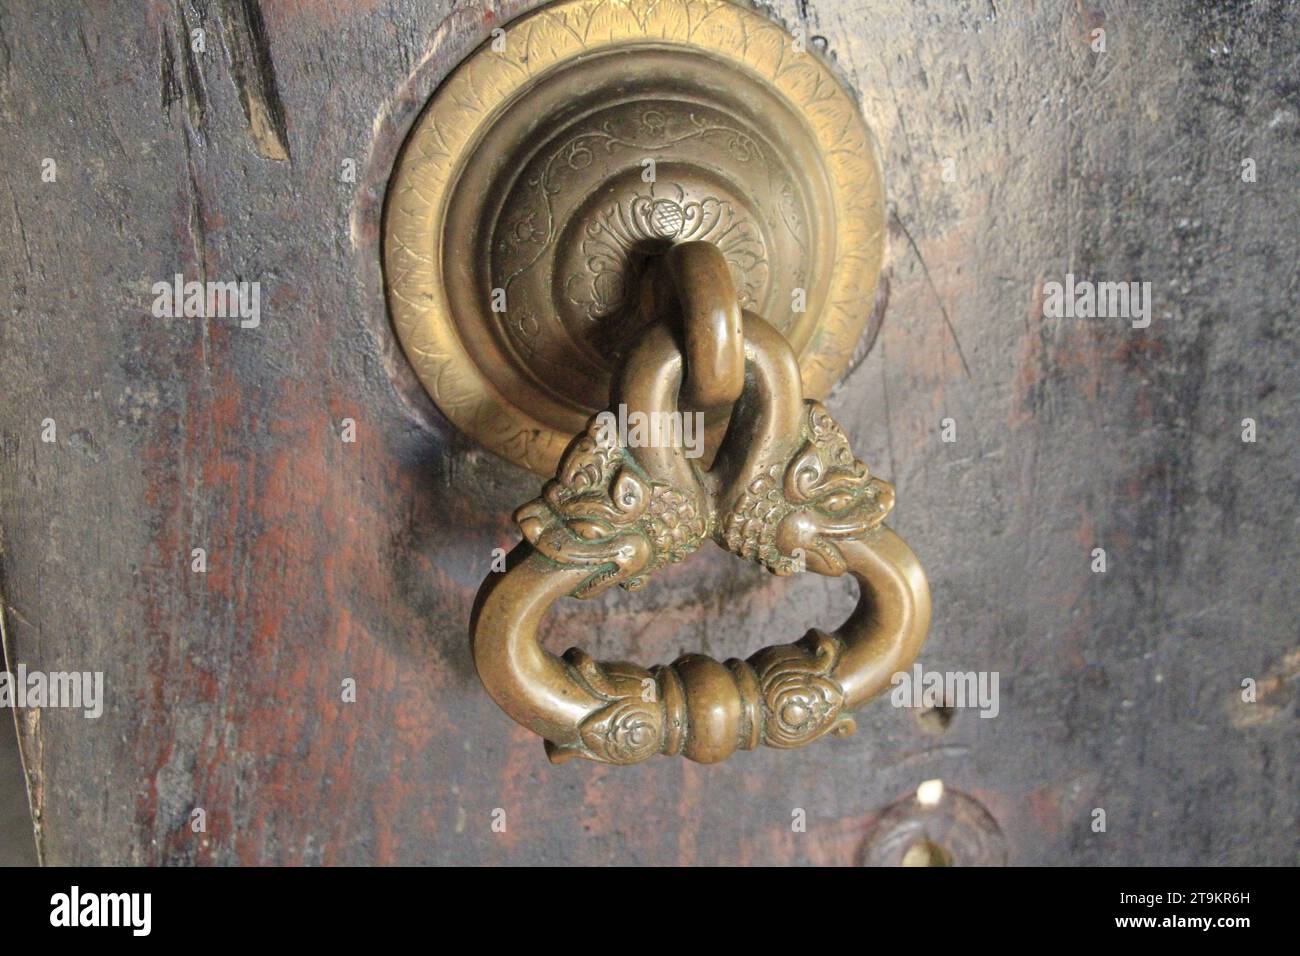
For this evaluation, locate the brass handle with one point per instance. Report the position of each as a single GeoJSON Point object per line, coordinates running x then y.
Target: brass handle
{"type": "Point", "coordinates": [784, 490]}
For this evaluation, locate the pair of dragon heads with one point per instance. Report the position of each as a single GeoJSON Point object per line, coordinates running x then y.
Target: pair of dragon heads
{"type": "Point", "coordinates": [603, 511]}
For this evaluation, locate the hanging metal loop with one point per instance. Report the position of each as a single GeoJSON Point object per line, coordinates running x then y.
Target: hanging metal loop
{"type": "Point", "coordinates": [784, 490]}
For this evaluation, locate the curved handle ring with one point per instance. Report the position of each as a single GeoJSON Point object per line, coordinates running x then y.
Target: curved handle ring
{"type": "Point", "coordinates": [715, 350]}
{"type": "Point", "coordinates": [784, 490]}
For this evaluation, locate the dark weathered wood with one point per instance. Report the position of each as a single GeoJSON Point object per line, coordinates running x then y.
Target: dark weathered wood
{"type": "Point", "coordinates": [330, 560]}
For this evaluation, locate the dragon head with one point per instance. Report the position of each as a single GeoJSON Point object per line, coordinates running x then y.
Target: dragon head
{"type": "Point", "coordinates": [792, 515]}
{"type": "Point", "coordinates": [602, 512]}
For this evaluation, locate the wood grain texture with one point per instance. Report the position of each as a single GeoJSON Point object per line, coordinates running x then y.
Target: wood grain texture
{"type": "Point", "coordinates": [330, 560]}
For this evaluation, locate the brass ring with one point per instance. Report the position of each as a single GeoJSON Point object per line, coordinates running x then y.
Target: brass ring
{"type": "Point", "coordinates": [715, 346]}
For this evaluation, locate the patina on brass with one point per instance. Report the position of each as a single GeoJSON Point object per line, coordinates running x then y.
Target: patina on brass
{"type": "Point", "coordinates": [556, 165]}
{"type": "Point", "coordinates": [784, 490]}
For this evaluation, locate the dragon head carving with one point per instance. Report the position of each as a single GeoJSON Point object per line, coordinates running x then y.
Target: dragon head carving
{"type": "Point", "coordinates": [792, 515]}
{"type": "Point", "coordinates": [602, 512]}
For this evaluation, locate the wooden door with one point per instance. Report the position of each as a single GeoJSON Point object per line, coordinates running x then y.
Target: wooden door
{"type": "Point", "coordinates": [231, 140]}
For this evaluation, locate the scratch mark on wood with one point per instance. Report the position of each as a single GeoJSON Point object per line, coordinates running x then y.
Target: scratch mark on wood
{"type": "Point", "coordinates": [254, 75]}
{"type": "Point", "coordinates": [22, 231]}
{"type": "Point", "coordinates": [27, 724]}
{"type": "Point", "coordinates": [184, 84]}
{"type": "Point", "coordinates": [191, 78]}
{"type": "Point", "coordinates": [6, 57]}
{"type": "Point", "coordinates": [195, 222]}
{"type": "Point", "coordinates": [170, 91]}
{"type": "Point", "coordinates": [85, 46]}
{"type": "Point", "coordinates": [943, 310]}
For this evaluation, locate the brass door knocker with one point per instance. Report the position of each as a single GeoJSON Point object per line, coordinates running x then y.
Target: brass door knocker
{"type": "Point", "coordinates": [599, 205]}
{"type": "Point", "coordinates": [784, 490]}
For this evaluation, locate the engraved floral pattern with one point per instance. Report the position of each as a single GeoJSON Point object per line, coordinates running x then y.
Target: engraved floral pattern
{"type": "Point", "coordinates": [661, 214]}
{"type": "Point", "coordinates": [644, 221]}
{"type": "Point", "coordinates": [558, 34]}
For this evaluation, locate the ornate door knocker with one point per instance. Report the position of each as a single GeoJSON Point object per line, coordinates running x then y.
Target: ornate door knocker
{"type": "Point", "coordinates": [784, 490]}
{"type": "Point", "coordinates": [532, 264]}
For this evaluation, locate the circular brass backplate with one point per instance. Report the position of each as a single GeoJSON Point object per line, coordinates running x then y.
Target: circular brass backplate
{"type": "Point", "coordinates": [589, 136]}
